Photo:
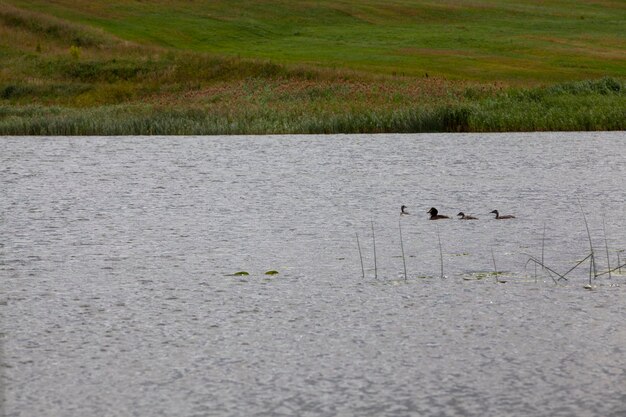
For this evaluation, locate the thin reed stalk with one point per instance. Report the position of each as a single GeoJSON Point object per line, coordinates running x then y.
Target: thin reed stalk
{"type": "Point", "coordinates": [543, 241]}
{"type": "Point", "coordinates": [360, 256]}
{"type": "Point", "coordinates": [495, 268]}
{"type": "Point", "coordinates": [606, 246]}
{"type": "Point", "coordinates": [593, 260]}
{"type": "Point", "coordinates": [440, 251]}
{"type": "Point", "coordinates": [374, 242]}
{"type": "Point", "coordinates": [531, 259]}
{"type": "Point", "coordinates": [576, 266]}
{"type": "Point", "coordinates": [553, 280]}
{"type": "Point", "coordinates": [402, 248]}
{"type": "Point", "coordinates": [613, 270]}
{"type": "Point", "coordinates": [549, 270]}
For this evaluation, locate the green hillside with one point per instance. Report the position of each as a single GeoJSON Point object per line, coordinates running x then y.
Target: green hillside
{"type": "Point", "coordinates": [249, 66]}
{"type": "Point", "coordinates": [487, 40]}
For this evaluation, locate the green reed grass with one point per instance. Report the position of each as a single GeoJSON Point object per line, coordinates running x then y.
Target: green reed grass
{"type": "Point", "coordinates": [577, 107]}
{"type": "Point", "coordinates": [602, 111]}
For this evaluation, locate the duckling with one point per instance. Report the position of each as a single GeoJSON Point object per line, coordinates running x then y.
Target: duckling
{"type": "Point", "coordinates": [498, 217]}
{"type": "Point", "coordinates": [464, 216]}
{"type": "Point", "coordinates": [403, 210]}
{"type": "Point", "coordinates": [434, 214]}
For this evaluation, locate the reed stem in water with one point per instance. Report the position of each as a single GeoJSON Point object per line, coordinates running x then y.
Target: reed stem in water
{"type": "Point", "coordinates": [440, 251]}
{"type": "Point", "coordinates": [360, 255]}
{"type": "Point", "coordinates": [402, 248]}
{"type": "Point", "coordinates": [612, 270]}
{"type": "Point", "coordinates": [592, 265]}
{"type": "Point", "coordinates": [374, 241]}
{"type": "Point", "coordinates": [543, 241]}
{"type": "Point", "coordinates": [495, 268]}
{"type": "Point", "coordinates": [606, 246]}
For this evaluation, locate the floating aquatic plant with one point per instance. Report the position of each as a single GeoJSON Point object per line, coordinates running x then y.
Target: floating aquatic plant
{"type": "Point", "coordinates": [272, 272]}
{"type": "Point", "coordinates": [240, 273]}
{"type": "Point", "coordinates": [480, 275]}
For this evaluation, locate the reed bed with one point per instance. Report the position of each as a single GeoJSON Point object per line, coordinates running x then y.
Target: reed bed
{"type": "Point", "coordinates": [548, 271]}
{"type": "Point", "coordinates": [267, 113]}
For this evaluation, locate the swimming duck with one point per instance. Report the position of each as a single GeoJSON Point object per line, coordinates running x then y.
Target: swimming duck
{"type": "Point", "coordinates": [434, 214]}
{"type": "Point", "coordinates": [403, 210]}
{"type": "Point", "coordinates": [498, 217]}
{"type": "Point", "coordinates": [463, 216]}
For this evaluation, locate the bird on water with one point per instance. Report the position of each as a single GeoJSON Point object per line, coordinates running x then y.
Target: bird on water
{"type": "Point", "coordinates": [434, 214]}
{"type": "Point", "coordinates": [498, 217]}
{"type": "Point", "coordinates": [464, 216]}
{"type": "Point", "coordinates": [403, 210]}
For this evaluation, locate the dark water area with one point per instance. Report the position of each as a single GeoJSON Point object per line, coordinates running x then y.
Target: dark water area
{"type": "Point", "coordinates": [117, 296]}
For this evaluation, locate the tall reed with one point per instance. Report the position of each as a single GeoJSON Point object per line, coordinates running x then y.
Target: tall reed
{"type": "Point", "coordinates": [592, 264]}
{"type": "Point", "coordinates": [495, 268]}
{"type": "Point", "coordinates": [402, 248]}
{"type": "Point", "coordinates": [606, 246]}
{"type": "Point", "coordinates": [120, 98]}
{"type": "Point", "coordinates": [440, 251]}
{"type": "Point", "coordinates": [374, 245]}
{"type": "Point", "coordinates": [543, 242]}
{"type": "Point", "coordinates": [360, 256]}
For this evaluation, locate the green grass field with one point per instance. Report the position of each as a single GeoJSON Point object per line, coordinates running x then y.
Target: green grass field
{"type": "Point", "coordinates": [201, 66]}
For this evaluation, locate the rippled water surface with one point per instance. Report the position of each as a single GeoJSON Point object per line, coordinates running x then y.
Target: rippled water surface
{"type": "Point", "coordinates": [117, 298]}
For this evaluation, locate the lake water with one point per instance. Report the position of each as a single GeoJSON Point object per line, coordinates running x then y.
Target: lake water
{"type": "Point", "coordinates": [117, 299]}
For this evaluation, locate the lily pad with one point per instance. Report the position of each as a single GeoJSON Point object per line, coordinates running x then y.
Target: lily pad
{"type": "Point", "coordinates": [240, 273]}
{"type": "Point", "coordinates": [272, 272]}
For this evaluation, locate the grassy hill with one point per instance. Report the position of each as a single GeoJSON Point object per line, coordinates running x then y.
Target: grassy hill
{"type": "Point", "coordinates": [250, 66]}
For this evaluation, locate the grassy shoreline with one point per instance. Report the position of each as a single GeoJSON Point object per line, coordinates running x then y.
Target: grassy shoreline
{"type": "Point", "coordinates": [580, 106]}
{"type": "Point", "coordinates": [63, 77]}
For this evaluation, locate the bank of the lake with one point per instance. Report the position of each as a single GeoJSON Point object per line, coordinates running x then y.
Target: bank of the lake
{"type": "Point", "coordinates": [265, 109]}
{"type": "Point", "coordinates": [114, 70]}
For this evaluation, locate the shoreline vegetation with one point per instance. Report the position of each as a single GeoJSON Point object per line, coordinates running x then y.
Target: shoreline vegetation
{"type": "Point", "coordinates": [65, 77]}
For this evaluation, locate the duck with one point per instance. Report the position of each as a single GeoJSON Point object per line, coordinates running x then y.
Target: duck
{"type": "Point", "coordinates": [498, 217]}
{"type": "Point", "coordinates": [403, 210]}
{"type": "Point", "coordinates": [463, 216]}
{"type": "Point", "coordinates": [434, 214]}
